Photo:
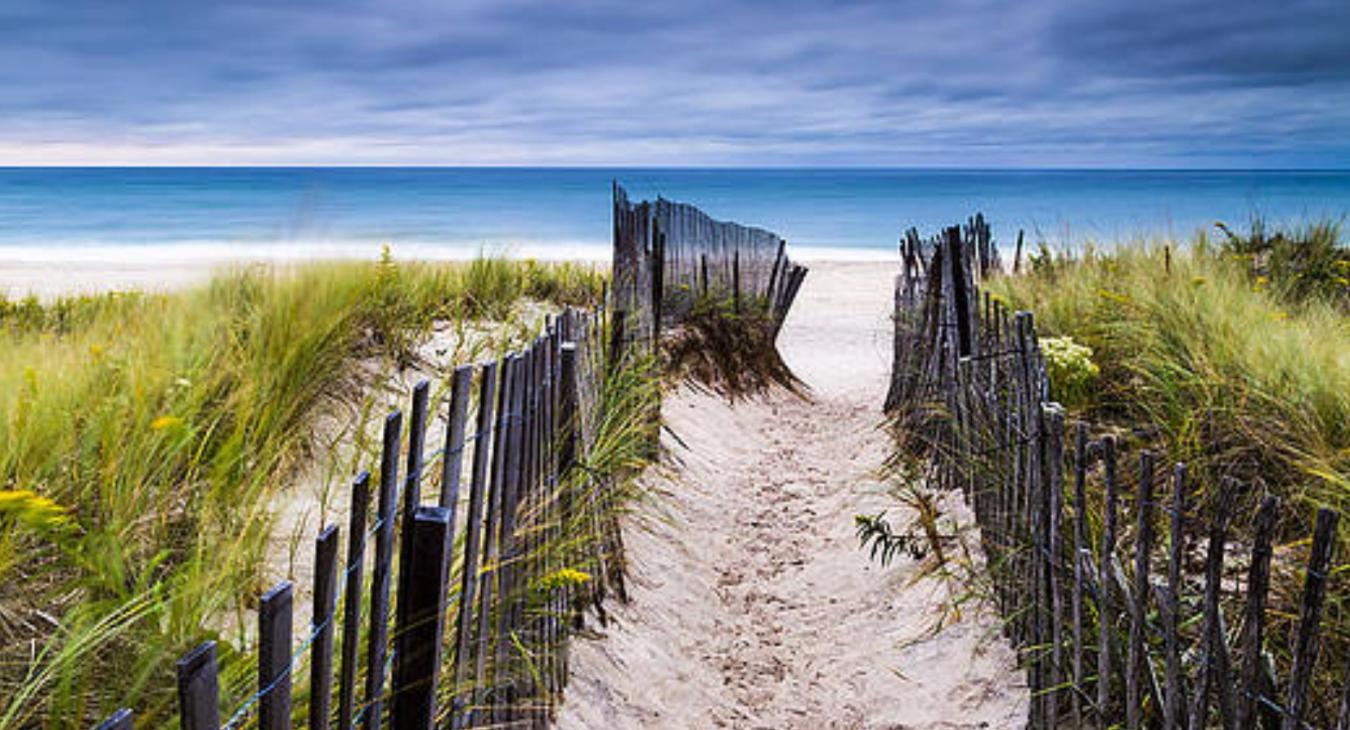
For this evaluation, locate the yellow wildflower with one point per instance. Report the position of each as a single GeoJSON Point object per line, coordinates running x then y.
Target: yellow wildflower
{"type": "Point", "coordinates": [163, 422]}
{"type": "Point", "coordinates": [1113, 296]}
{"type": "Point", "coordinates": [564, 577]}
{"type": "Point", "coordinates": [31, 509]}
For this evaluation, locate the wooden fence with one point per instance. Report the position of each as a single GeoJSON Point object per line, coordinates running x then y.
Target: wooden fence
{"type": "Point", "coordinates": [497, 637]}
{"type": "Point", "coordinates": [415, 649]}
{"type": "Point", "coordinates": [667, 255]}
{"type": "Point", "coordinates": [1089, 562]}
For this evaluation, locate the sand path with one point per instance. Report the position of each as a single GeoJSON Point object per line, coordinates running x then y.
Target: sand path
{"type": "Point", "coordinates": [752, 606]}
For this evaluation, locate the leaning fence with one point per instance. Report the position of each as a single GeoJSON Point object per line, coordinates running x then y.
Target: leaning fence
{"type": "Point", "coordinates": [667, 255]}
{"type": "Point", "coordinates": [464, 620]}
{"type": "Point", "coordinates": [1091, 562]}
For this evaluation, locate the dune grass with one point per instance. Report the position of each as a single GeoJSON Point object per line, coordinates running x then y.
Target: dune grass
{"type": "Point", "coordinates": [726, 349]}
{"type": "Point", "coordinates": [1232, 355]}
{"type": "Point", "coordinates": [142, 437]}
{"type": "Point", "coordinates": [1242, 380]}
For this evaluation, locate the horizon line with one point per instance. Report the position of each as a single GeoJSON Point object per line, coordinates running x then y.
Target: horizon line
{"type": "Point", "coordinates": [729, 167]}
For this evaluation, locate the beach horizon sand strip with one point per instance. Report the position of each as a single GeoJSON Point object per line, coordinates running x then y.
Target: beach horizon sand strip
{"type": "Point", "coordinates": [752, 605]}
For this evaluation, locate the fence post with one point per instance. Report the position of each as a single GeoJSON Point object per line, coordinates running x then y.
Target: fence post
{"type": "Point", "coordinates": [484, 675]}
{"type": "Point", "coordinates": [412, 487]}
{"type": "Point", "coordinates": [1169, 603]}
{"type": "Point", "coordinates": [774, 272]}
{"type": "Point", "coordinates": [198, 692]}
{"type": "Point", "coordinates": [1105, 610]}
{"type": "Point", "coordinates": [1055, 455]}
{"type": "Point", "coordinates": [504, 678]}
{"type": "Point", "coordinates": [417, 639]}
{"type": "Point", "coordinates": [618, 343]}
{"type": "Point", "coordinates": [380, 574]}
{"type": "Point", "coordinates": [1254, 622]}
{"type": "Point", "coordinates": [274, 658]}
{"type": "Point", "coordinates": [736, 280]}
{"type": "Point", "coordinates": [321, 665]}
{"type": "Point", "coordinates": [1080, 544]}
{"type": "Point", "coordinates": [1310, 617]}
{"type": "Point", "coordinates": [351, 608]}
{"type": "Point", "coordinates": [473, 530]}
{"type": "Point", "coordinates": [1211, 638]}
{"type": "Point", "coordinates": [1143, 545]}
{"type": "Point", "coordinates": [452, 460]}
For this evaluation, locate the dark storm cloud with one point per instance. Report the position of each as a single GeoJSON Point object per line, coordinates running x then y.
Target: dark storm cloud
{"type": "Point", "coordinates": [1241, 43]}
{"type": "Point", "coordinates": [967, 82]}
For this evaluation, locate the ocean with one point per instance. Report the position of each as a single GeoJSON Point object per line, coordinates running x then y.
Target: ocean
{"type": "Point", "coordinates": [56, 214]}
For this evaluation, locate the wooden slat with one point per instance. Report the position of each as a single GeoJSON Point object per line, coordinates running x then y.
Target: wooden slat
{"type": "Point", "coordinates": [1254, 613]}
{"type": "Point", "coordinates": [198, 691]}
{"type": "Point", "coordinates": [473, 536]}
{"type": "Point", "coordinates": [412, 486]}
{"type": "Point", "coordinates": [485, 674]}
{"type": "Point", "coordinates": [378, 636]}
{"type": "Point", "coordinates": [351, 609]}
{"type": "Point", "coordinates": [1211, 636]}
{"type": "Point", "coordinates": [1080, 544]}
{"type": "Point", "coordinates": [452, 461]}
{"type": "Point", "coordinates": [1105, 603]}
{"type": "Point", "coordinates": [274, 658]}
{"type": "Point", "coordinates": [505, 653]}
{"type": "Point", "coordinates": [1310, 618]}
{"type": "Point", "coordinates": [1055, 455]}
{"type": "Point", "coordinates": [418, 639]}
{"type": "Point", "coordinates": [323, 626]}
{"type": "Point", "coordinates": [1170, 605]}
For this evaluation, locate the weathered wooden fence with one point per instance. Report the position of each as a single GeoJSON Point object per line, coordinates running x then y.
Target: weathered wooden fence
{"type": "Point", "coordinates": [495, 632]}
{"type": "Point", "coordinates": [417, 649]}
{"type": "Point", "coordinates": [667, 255]}
{"type": "Point", "coordinates": [1089, 561]}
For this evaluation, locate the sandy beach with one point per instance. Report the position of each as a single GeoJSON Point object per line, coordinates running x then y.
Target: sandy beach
{"type": "Point", "coordinates": [752, 606]}
{"type": "Point", "coordinates": [48, 280]}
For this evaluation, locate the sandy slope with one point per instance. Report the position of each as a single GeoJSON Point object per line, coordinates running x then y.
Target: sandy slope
{"type": "Point", "coordinates": [752, 606]}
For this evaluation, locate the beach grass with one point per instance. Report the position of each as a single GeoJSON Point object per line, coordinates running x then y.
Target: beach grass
{"type": "Point", "coordinates": [1230, 354]}
{"type": "Point", "coordinates": [144, 436]}
{"type": "Point", "coordinates": [1244, 377]}
{"type": "Point", "coordinates": [728, 347]}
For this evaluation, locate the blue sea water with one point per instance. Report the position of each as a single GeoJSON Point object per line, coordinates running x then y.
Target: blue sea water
{"type": "Point", "coordinates": [114, 213]}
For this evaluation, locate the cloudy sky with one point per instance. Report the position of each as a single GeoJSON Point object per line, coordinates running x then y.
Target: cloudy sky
{"type": "Point", "coordinates": [957, 83]}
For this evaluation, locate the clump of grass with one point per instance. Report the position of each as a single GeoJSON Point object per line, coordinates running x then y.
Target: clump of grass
{"type": "Point", "coordinates": [728, 350]}
{"type": "Point", "coordinates": [1305, 264]}
{"type": "Point", "coordinates": [160, 426]}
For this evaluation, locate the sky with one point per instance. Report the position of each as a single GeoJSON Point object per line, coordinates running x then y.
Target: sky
{"type": "Point", "coordinates": [949, 83]}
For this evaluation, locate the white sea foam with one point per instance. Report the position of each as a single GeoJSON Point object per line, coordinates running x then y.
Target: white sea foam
{"type": "Point", "coordinates": [210, 252]}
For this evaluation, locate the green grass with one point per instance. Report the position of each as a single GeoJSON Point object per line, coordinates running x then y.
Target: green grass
{"type": "Point", "coordinates": [143, 436]}
{"type": "Point", "coordinates": [1236, 353]}
{"type": "Point", "coordinates": [1241, 380]}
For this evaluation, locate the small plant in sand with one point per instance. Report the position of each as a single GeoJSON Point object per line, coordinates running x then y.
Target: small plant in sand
{"type": "Point", "coordinates": [932, 539]}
